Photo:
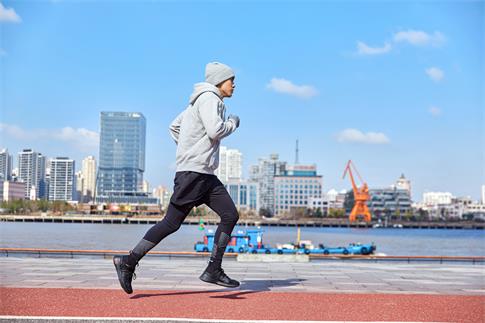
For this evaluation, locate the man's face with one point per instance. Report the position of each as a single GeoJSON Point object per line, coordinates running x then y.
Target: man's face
{"type": "Point", "coordinates": [227, 88]}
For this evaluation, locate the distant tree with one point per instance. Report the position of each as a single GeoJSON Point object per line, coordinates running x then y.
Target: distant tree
{"type": "Point", "coordinates": [336, 213]}
{"type": "Point", "coordinates": [43, 205]}
{"type": "Point", "coordinates": [308, 212]}
{"type": "Point", "coordinates": [265, 212]}
{"type": "Point", "coordinates": [409, 216]}
{"type": "Point", "coordinates": [423, 215]}
{"type": "Point", "coordinates": [318, 213]}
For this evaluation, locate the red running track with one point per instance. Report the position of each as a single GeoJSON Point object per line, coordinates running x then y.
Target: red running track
{"type": "Point", "coordinates": [241, 305]}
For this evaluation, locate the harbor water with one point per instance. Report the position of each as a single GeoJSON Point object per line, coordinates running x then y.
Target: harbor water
{"type": "Point", "coordinates": [393, 242]}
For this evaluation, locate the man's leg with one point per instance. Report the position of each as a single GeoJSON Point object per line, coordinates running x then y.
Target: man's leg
{"type": "Point", "coordinates": [125, 265]}
{"type": "Point", "coordinates": [171, 222]}
{"type": "Point", "coordinates": [218, 200]}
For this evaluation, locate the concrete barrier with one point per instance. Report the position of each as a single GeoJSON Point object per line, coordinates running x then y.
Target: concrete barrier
{"type": "Point", "coordinates": [247, 257]}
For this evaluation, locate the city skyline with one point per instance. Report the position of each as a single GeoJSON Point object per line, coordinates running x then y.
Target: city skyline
{"type": "Point", "coordinates": [400, 90]}
{"type": "Point", "coordinates": [415, 197]}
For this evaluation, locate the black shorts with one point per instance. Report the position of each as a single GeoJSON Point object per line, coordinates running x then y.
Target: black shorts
{"type": "Point", "coordinates": [191, 188]}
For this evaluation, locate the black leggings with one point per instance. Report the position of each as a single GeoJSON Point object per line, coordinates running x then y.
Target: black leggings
{"type": "Point", "coordinates": [212, 193]}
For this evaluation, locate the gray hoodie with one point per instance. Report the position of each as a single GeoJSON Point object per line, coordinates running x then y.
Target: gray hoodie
{"type": "Point", "coordinates": [199, 129]}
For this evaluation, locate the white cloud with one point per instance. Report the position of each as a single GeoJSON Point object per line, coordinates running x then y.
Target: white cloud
{"type": "Point", "coordinates": [80, 138]}
{"type": "Point", "coordinates": [435, 73]}
{"type": "Point", "coordinates": [420, 38]}
{"type": "Point", "coordinates": [8, 15]}
{"type": "Point", "coordinates": [14, 131]}
{"type": "Point", "coordinates": [357, 136]}
{"type": "Point", "coordinates": [435, 111]}
{"type": "Point", "coordinates": [285, 86]}
{"type": "Point", "coordinates": [364, 49]}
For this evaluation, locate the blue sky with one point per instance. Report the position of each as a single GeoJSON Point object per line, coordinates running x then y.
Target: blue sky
{"type": "Point", "coordinates": [396, 87]}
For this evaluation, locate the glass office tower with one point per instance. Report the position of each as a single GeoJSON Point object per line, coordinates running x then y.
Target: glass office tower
{"type": "Point", "coordinates": [121, 154]}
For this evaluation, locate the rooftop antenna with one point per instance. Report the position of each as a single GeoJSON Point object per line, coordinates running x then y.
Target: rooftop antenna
{"type": "Point", "coordinates": [297, 159]}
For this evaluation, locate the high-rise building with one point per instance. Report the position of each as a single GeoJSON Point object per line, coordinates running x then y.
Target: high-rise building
{"type": "Point", "coordinates": [264, 174]}
{"type": "Point", "coordinates": [62, 182]}
{"type": "Point", "coordinates": [5, 165]}
{"type": "Point", "coordinates": [121, 153]}
{"type": "Point", "coordinates": [297, 187]}
{"type": "Point", "coordinates": [43, 184]}
{"type": "Point", "coordinates": [230, 165]}
{"type": "Point", "coordinates": [32, 171]}
{"type": "Point", "coordinates": [88, 171]}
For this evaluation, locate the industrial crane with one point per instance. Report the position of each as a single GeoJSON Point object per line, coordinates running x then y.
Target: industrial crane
{"type": "Point", "coordinates": [361, 195]}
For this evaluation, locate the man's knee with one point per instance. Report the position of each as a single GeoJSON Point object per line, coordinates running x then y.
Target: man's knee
{"type": "Point", "coordinates": [231, 217]}
{"type": "Point", "coordinates": [171, 225]}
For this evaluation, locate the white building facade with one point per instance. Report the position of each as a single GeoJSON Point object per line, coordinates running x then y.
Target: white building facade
{"type": "Point", "coordinates": [403, 184]}
{"type": "Point", "coordinates": [437, 198]}
{"type": "Point", "coordinates": [298, 187]}
{"type": "Point", "coordinates": [88, 171]}
{"type": "Point", "coordinates": [230, 164]}
{"type": "Point", "coordinates": [31, 171]}
{"type": "Point", "coordinates": [264, 174]}
{"type": "Point", "coordinates": [62, 182]}
{"type": "Point", "coordinates": [483, 195]}
{"type": "Point", "coordinates": [335, 199]}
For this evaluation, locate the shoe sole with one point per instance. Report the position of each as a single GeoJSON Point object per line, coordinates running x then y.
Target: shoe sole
{"type": "Point", "coordinates": [216, 282]}
{"type": "Point", "coordinates": [118, 272]}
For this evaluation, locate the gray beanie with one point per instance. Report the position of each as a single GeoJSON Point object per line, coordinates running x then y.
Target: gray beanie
{"type": "Point", "coordinates": [216, 73]}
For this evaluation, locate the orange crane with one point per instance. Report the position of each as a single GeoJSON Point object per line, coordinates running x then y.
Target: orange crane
{"type": "Point", "coordinates": [361, 195]}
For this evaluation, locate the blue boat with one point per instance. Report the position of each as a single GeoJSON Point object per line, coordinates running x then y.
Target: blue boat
{"type": "Point", "coordinates": [251, 241]}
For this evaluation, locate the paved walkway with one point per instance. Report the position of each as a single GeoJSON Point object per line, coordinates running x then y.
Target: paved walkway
{"type": "Point", "coordinates": [315, 276]}
{"type": "Point", "coordinates": [318, 290]}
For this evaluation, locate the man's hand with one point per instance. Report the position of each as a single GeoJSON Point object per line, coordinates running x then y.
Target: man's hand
{"type": "Point", "coordinates": [234, 119]}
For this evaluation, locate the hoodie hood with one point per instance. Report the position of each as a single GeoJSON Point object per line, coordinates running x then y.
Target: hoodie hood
{"type": "Point", "coordinates": [202, 87]}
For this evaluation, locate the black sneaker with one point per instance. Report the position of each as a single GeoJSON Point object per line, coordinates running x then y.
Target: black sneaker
{"type": "Point", "coordinates": [126, 273]}
{"type": "Point", "coordinates": [219, 278]}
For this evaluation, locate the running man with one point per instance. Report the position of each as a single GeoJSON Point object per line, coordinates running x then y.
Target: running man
{"type": "Point", "coordinates": [197, 131]}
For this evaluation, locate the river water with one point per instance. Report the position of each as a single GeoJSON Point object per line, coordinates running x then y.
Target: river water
{"type": "Point", "coordinates": [425, 242]}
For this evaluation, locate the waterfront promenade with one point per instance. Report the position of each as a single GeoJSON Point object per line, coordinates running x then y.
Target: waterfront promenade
{"type": "Point", "coordinates": [85, 289]}
{"type": "Point", "coordinates": [268, 222]}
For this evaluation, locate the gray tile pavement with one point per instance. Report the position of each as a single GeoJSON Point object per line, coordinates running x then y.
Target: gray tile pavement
{"type": "Point", "coordinates": [316, 276]}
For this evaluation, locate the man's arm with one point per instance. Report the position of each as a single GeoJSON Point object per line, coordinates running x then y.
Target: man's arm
{"type": "Point", "coordinates": [175, 127]}
{"type": "Point", "coordinates": [214, 125]}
